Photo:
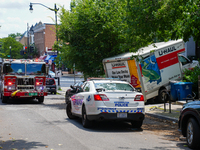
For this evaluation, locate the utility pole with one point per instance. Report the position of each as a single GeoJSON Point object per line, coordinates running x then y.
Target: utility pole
{"type": "Point", "coordinates": [10, 52]}
{"type": "Point", "coordinates": [28, 41]}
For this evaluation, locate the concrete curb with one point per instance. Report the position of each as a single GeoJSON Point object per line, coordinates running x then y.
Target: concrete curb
{"type": "Point", "coordinates": [162, 117]}
{"type": "Point", "coordinates": [72, 75]}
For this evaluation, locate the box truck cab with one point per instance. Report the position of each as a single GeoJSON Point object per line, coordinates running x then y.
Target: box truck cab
{"type": "Point", "coordinates": [186, 63]}
{"type": "Point", "coordinates": [149, 69]}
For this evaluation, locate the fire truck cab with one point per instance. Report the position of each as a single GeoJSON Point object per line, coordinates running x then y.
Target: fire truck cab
{"type": "Point", "coordinates": [23, 78]}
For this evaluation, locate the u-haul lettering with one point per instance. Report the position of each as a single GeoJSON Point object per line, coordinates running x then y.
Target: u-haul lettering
{"type": "Point", "coordinates": [118, 65]}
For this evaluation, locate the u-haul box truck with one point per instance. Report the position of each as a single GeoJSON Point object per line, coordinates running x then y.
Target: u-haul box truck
{"type": "Point", "coordinates": [151, 70]}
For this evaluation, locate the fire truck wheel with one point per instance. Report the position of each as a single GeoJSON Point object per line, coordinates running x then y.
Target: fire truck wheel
{"type": "Point", "coordinates": [41, 99]}
{"type": "Point", "coordinates": [4, 99]}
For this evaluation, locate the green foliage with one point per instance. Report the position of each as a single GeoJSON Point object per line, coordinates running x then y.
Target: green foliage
{"type": "Point", "coordinates": [143, 24]}
{"type": "Point", "coordinates": [93, 31]}
{"type": "Point", "coordinates": [179, 18]}
{"type": "Point", "coordinates": [96, 29]}
{"type": "Point", "coordinates": [13, 35]}
{"type": "Point", "coordinates": [16, 47]}
{"type": "Point", "coordinates": [191, 75]}
{"type": "Point", "coordinates": [164, 20]}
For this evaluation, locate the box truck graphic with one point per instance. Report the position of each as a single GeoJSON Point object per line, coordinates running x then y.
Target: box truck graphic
{"type": "Point", "coordinates": [150, 69]}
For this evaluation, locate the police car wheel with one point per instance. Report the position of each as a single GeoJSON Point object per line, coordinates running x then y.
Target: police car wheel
{"type": "Point", "coordinates": [85, 122]}
{"type": "Point", "coordinates": [69, 111]}
{"type": "Point", "coordinates": [136, 124]}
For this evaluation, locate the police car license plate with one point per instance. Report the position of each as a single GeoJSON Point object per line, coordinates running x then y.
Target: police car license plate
{"type": "Point", "coordinates": [121, 115]}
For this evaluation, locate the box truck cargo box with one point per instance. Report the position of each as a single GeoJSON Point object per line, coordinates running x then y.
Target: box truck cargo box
{"type": "Point", "coordinates": [149, 69]}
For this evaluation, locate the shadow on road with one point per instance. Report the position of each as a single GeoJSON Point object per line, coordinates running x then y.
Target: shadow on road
{"type": "Point", "coordinates": [22, 101]}
{"type": "Point", "coordinates": [106, 126]}
{"type": "Point", "coordinates": [20, 145]}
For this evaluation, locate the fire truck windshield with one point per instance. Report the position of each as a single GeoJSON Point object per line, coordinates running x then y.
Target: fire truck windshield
{"type": "Point", "coordinates": [35, 69]}
{"type": "Point", "coordinates": [14, 69]}
{"type": "Point", "coordinates": [20, 69]}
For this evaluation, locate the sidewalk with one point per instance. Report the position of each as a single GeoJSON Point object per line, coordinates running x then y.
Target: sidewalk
{"type": "Point", "coordinates": [157, 111]}
{"type": "Point", "coordinates": [154, 110]}
{"type": "Point", "coordinates": [66, 73]}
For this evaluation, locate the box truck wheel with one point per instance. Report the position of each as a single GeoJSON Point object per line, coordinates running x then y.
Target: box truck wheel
{"type": "Point", "coordinates": [162, 95]}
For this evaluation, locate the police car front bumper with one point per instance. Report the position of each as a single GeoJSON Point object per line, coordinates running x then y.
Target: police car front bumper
{"type": "Point", "coordinates": [114, 116]}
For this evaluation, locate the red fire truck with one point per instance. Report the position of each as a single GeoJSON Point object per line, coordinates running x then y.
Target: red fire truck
{"type": "Point", "coordinates": [23, 78]}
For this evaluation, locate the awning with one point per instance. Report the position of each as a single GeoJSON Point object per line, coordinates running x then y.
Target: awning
{"type": "Point", "coordinates": [42, 57]}
{"type": "Point", "coordinates": [50, 57]}
{"type": "Point", "coordinates": [53, 57]}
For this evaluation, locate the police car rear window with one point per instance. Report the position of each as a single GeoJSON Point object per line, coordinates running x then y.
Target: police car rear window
{"type": "Point", "coordinates": [50, 82]}
{"type": "Point", "coordinates": [114, 86]}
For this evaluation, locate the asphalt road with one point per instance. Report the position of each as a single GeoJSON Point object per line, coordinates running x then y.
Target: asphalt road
{"type": "Point", "coordinates": [28, 125]}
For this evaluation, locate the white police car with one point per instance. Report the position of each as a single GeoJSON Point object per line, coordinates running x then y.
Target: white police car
{"type": "Point", "coordinates": [107, 99]}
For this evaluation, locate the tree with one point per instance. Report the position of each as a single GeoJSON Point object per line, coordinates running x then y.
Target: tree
{"type": "Point", "coordinates": [92, 31]}
{"type": "Point", "coordinates": [144, 27]}
{"type": "Point", "coordinates": [182, 17]}
{"type": "Point", "coordinates": [16, 47]}
{"type": "Point", "coordinates": [167, 19]}
{"type": "Point", "coordinates": [13, 35]}
{"type": "Point", "coordinates": [96, 29]}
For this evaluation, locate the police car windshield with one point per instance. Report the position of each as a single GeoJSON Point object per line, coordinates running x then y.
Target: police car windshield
{"type": "Point", "coordinates": [14, 69]}
{"type": "Point", "coordinates": [114, 86]}
{"type": "Point", "coordinates": [35, 69]}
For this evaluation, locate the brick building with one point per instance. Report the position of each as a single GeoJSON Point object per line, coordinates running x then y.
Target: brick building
{"type": "Point", "coordinates": [23, 39]}
{"type": "Point", "coordinates": [44, 37]}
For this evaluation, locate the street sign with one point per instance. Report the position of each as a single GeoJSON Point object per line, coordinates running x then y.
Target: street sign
{"type": "Point", "coordinates": [8, 55]}
{"type": "Point", "coordinates": [58, 73]}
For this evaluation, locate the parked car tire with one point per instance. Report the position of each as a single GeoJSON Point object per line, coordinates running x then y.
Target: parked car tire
{"type": "Point", "coordinates": [67, 97]}
{"type": "Point", "coordinates": [85, 122]}
{"type": "Point", "coordinates": [136, 124]}
{"type": "Point", "coordinates": [193, 134]}
{"type": "Point", "coordinates": [69, 112]}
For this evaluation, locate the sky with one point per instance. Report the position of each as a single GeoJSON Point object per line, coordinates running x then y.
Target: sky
{"type": "Point", "coordinates": [15, 16]}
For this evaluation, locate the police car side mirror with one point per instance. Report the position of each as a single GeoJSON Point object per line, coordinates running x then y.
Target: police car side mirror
{"type": "Point", "coordinates": [100, 89]}
{"type": "Point", "coordinates": [79, 90]}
